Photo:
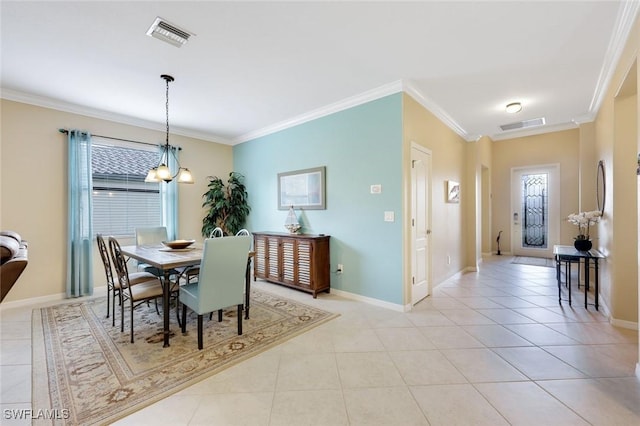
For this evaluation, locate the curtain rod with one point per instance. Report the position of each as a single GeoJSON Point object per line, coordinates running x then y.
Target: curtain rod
{"type": "Point", "coordinates": [66, 131]}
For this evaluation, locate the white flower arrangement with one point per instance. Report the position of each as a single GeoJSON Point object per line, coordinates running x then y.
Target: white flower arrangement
{"type": "Point", "coordinates": [584, 221]}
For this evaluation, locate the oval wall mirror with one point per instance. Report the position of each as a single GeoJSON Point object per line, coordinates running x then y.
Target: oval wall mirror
{"type": "Point", "coordinates": [601, 187]}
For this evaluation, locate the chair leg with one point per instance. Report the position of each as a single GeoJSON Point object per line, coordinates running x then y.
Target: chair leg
{"type": "Point", "coordinates": [113, 307]}
{"type": "Point", "coordinates": [122, 318]}
{"type": "Point", "coordinates": [199, 332]}
{"type": "Point", "coordinates": [184, 318]}
{"type": "Point", "coordinates": [219, 315]}
{"type": "Point", "coordinates": [132, 323]}
{"type": "Point", "coordinates": [109, 297]}
{"type": "Point", "coordinates": [178, 309]}
{"type": "Point", "coordinates": [240, 320]}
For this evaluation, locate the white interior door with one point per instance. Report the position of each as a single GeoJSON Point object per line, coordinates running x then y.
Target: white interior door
{"type": "Point", "coordinates": [535, 201]}
{"type": "Point", "coordinates": [420, 220]}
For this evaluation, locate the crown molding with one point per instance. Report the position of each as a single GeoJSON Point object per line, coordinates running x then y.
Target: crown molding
{"type": "Point", "coordinates": [410, 89]}
{"type": "Point", "coordinates": [534, 131]}
{"type": "Point", "coordinates": [624, 23]}
{"type": "Point", "coordinates": [362, 98]}
{"type": "Point", "coordinates": [45, 102]}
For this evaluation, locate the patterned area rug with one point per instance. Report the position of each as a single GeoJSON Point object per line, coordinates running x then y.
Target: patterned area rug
{"type": "Point", "coordinates": [534, 261]}
{"type": "Point", "coordinates": [86, 372]}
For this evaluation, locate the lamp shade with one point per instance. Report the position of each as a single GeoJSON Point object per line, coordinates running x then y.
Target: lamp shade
{"type": "Point", "coordinates": [164, 173]}
{"type": "Point", "coordinates": [152, 176]}
{"type": "Point", "coordinates": [184, 176]}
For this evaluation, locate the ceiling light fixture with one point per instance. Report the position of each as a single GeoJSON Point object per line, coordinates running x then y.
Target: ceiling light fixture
{"type": "Point", "coordinates": [162, 172]}
{"type": "Point", "coordinates": [513, 107]}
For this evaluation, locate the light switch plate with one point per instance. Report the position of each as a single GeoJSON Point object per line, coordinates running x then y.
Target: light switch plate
{"type": "Point", "coordinates": [376, 189]}
{"type": "Point", "coordinates": [389, 216]}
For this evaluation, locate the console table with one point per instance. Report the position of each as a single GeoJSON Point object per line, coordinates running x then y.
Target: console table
{"type": "Point", "coordinates": [568, 255]}
{"type": "Point", "coordinates": [296, 260]}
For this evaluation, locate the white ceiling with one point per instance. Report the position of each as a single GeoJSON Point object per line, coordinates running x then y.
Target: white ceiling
{"type": "Point", "coordinates": [254, 67]}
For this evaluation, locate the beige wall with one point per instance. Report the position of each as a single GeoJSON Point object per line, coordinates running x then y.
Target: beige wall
{"type": "Point", "coordinates": [449, 233]}
{"type": "Point", "coordinates": [486, 169]}
{"type": "Point", "coordinates": [479, 210]}
{"type": "Point", "coordinates": [616, 143]}
{"type": "Point", "coordinates": [33, 186]}
{"type": "Point", "coordinates": [561, 148]}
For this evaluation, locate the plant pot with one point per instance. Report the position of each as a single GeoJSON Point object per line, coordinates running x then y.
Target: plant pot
{"type": "Point", "coordinates": [582, 245]}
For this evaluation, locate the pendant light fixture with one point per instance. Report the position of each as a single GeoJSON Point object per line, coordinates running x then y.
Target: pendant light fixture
{"type": "Point", "coordinates": [162, 172]}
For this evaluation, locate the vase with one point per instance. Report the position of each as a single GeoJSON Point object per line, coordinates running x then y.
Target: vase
{"type": "Point", "coordinates": [582, 245]}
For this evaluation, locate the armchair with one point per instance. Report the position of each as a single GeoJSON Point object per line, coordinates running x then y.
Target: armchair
{"type": "Point", "coordinates": [13, 260]}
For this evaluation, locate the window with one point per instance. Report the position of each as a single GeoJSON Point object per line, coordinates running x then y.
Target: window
{"type": "Point", "coordinates": [122, 200]}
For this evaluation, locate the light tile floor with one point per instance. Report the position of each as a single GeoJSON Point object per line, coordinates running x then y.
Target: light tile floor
{"type": "Point", "coordinates": [487, 348]}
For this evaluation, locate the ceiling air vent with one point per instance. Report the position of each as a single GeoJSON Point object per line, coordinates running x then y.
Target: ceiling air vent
{"type": "Point", "coordinates": [165, 31]}
{"type": "Point", "coordinates": [523, 124]}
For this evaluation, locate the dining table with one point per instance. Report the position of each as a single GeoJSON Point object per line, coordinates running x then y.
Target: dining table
{"type": "Point", "coordinates": [167, 260]}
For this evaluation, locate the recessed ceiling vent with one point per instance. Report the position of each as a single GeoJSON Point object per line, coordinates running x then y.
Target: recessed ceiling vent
{"type": "Point", "coordinates": [523, 124]}
{"type": "Point", "coordinates": [165, 31]}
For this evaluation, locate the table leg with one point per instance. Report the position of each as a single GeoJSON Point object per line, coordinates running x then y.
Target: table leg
{"type": "Point", "coordinates": [166, 292]}
{"type": "Point", "coordinates": [567, 269]}
{"type": "Point", "coordinates": [586, 280]}
{"type": "Point", "coordinates": [596, 289]}
{"type": "Point", "coordinates": [247, 289]}
{"type": "Point", "coordinates": [559, 281]}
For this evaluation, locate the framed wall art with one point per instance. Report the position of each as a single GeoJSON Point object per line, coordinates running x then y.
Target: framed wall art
{"type": "Point", "coordinates": [302, 189]}
{"type": "Point", "coordinates": [453, 191]}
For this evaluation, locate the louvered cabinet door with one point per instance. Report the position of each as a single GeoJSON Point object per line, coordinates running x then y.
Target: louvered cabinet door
{"type": "Point", "coordinates": [260, 259]}
{"type": "Point", "coordinates": [273, 258]}
{"type": "Point", "coordinates": [265, 264]}
{"type": "Point", "coordinates": [289, 256]}
{"type": "Point", "coordinates": [304, 264]}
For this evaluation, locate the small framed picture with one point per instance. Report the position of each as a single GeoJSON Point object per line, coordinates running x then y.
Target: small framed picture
{"type": "Point", "coordinates": [453, 191]}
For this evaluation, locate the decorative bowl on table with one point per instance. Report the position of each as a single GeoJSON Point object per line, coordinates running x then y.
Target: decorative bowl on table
{"type": "Point", "coordinates": [178, 244]}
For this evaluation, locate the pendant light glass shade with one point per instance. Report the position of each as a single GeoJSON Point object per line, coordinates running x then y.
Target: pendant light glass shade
{"type": "Point", "coordinates": [152, 176]}
{"type": "Point", "coordinates": [184, 176]}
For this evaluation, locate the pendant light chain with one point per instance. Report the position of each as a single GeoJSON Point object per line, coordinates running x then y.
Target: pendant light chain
{"type": "Point", "coordinates": [162, 172]}
{"type": "Point", "coordinates": [167, 113]}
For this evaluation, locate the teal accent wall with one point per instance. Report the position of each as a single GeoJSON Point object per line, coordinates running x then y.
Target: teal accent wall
{"type": "Point", "coordinates": [359, 147]}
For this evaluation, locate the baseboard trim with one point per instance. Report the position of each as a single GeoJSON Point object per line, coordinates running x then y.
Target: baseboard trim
{"type": "Point", "coordinates": [370, 300]}
{"type": "Point", "coordinates": [22, 303]}
{"type": "Point", "coordinates": [623, 323]}
{"type": "Point", "coordinates": [43, 300]}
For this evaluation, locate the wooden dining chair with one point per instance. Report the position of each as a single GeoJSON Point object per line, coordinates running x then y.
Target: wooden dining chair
{"type": "Point", "coordinates": [221, 282]}
{"type": "Point", "coordinates": [135, 288]}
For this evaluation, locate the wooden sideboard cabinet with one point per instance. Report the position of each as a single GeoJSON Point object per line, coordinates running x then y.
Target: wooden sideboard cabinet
{"type": "Point", "coordinates": [296, 260]}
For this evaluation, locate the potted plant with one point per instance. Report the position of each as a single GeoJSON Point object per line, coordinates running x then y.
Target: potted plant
{"type": "Point", "coordinates": [584, 221]}
{"type": "Point", "coordinates": [227, 204]}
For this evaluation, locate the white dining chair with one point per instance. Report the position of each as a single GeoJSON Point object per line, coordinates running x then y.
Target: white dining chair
{"type": "Point", "coordinates": [221, 282]}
